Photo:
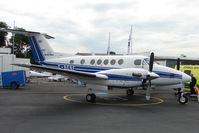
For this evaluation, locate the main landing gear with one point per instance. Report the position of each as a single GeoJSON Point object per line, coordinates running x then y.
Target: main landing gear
{"type": "Point", "coordinates": [91, 97]}
{"type": "Point", "coordinates": [130, 92]}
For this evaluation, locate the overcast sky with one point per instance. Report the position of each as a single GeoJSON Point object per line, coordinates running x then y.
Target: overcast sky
{"type": "Point", "coordinates": [166, 27]}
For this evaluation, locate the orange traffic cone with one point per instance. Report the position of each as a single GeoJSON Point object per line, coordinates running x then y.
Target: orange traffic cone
{"type": "Point", "coordinates": [197, 91]}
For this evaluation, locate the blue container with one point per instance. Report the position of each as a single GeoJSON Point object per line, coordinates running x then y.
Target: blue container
{"type": "Point", "coordinates": [13, 79]}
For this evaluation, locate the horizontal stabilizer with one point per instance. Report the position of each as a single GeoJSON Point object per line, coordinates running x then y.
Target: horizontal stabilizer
{"type": "Point", "coordinates": [26, 33]}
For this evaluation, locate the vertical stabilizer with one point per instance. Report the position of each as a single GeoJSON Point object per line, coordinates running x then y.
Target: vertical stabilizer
{"type": "Point", "coordinates": [40, 47]}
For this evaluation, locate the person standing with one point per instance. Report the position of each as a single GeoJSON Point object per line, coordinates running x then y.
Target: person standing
{"type": "Point", "coordinates": [192, 84]}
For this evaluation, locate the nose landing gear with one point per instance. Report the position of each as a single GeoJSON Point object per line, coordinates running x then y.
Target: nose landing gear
{"type": "Point", "coordinates": [182, 98]}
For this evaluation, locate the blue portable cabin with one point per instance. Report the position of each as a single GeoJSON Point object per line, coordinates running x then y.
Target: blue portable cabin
{"type": "Point", "coordinates": [13, 79]}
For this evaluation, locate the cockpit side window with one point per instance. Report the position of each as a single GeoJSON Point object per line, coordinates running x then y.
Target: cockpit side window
{"type": "Point", "coordinates": [147, 60]}
{"type": "Point", "coordinates": [137, 62]}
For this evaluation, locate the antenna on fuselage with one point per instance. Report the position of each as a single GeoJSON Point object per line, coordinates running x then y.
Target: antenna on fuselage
{"type": "Point", "coordinates": [108, 49]}
{"type": "Point", "coordinates": [130, 43]}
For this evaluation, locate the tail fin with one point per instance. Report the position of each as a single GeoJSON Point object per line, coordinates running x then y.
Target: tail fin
{"type": "Point", "coordinates": [39, 45]}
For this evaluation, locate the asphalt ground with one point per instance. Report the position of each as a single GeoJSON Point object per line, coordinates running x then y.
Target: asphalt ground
{"type": "Point", "coordinates": [52, 107]}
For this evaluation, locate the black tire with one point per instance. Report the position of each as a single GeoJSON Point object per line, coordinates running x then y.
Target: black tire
{"type": "Point", "coordinates": [130, 92]}
{"type": "Point", "coordinates": [14, 85]}
{"type": "Point", "coordinates": [183, 99]}
{"type": "Point", "coordinates": [90, 98]}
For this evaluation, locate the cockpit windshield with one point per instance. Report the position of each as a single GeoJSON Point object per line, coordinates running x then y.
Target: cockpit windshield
{"type": "Point", "coordinates": [147, 60]}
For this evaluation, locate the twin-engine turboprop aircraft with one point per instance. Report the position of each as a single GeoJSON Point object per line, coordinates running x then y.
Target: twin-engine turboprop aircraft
{"type": "Point", "coordinates": [104, 72]}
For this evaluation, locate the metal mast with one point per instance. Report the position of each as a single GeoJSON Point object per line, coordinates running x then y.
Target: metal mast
{"type": "Point", "coordinates": [108, 49]}
{"type": "Point", "coordinates": [130, 42]}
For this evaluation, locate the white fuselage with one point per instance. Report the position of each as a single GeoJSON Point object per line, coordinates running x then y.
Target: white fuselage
{"type": "Point", "coordinates": [119, 69]}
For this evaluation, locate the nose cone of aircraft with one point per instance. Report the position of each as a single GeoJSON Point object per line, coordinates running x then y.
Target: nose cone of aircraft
{"type": "Point", "coordinates": [186, 78]}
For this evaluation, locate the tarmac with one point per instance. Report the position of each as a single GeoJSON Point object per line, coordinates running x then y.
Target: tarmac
{"type": "Point", "coordinates": [49, 107]}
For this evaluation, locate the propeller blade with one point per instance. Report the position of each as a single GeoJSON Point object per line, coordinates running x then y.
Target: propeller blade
{"type": "Point", "coordinates": [178, 64]}
{"type": "Point", "coordinates": [148, 93]}
{"type": "Point", "coordinates": [151, 62]}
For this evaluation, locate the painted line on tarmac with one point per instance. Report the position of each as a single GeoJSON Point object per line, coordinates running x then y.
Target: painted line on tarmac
{"type": "Point", "coordinates": [109, 104]}
{"type": "Point", "coordinates": [18, 92]}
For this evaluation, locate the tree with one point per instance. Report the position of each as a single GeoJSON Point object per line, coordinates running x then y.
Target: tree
{"type": "Point", "coordinates": [112, 53]}
{"type": "Point", "coordinates": [28, 54]}
{"type": "Point", "coordinates": [3, 34]}
{"type": "Point", "coordinates": [20, 44]}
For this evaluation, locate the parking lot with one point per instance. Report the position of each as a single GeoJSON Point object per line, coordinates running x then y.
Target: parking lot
{"type": "Point", "coordinates": [41, 107]}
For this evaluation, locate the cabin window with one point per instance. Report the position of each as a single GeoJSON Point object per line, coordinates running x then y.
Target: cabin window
{"type": "Point", "coordinates": [82, 61]}
{"type": "Point", "coordinates": [137, 62]}
{"type": "Point", "coordinates": [92, 62]}
{"type": "Point", "coordinates": [112, 62]}
{"type": "Point", "coordinates": [71, 61]}
{"type": "Point", "coordinates": [99, 61]}
{"type": "Point", "coordinates": [120, 61]}
{"type": "Point", "coordinates": [105, 61]}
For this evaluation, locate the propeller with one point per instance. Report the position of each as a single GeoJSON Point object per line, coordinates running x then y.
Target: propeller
{"type": "Point", "coordinates": [149, 79]}
{"type": "Point", "coordinates": [178, 68]}
{"type": "Point", "coordinates": [178, 64]}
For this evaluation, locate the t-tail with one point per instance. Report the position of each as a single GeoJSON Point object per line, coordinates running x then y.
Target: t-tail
{"type": "Point", "coordinates": [40, 47]}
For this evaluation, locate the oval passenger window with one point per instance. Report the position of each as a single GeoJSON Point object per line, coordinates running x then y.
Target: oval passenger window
{"type": "Point", "coordinates": [99, 61]}
{"type": "Point", "coordinates": [105, 61]}
{"type": "Point", "coordinates": [71, 61]}
{"type": "Point", "coordinates": [92, 62]}
{"type": "Point", "coordinates": [120, 62]}
{"type": "Point", "coordinates": [112, 62]}
{"type": "Point", "coordinates": [82, 61]}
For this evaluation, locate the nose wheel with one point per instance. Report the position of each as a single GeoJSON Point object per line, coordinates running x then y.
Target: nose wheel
{"type": "Point", "coordinates": [91, 97]}
{"type": "Point", "coordinates": [182, 99]}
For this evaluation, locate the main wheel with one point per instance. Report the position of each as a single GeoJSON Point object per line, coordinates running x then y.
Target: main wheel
{"type": "Point", "coordinates": [14, 85]}
{"type": "Point", "coordinates": [130, 92]}
{"type": "Point", "coordinates": [91, 98]}
{"type": "Point", "coordinates": [182, 99]}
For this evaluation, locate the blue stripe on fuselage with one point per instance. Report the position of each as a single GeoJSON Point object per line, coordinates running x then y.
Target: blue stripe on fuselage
{"type": "Point", "coordinates": [94, 69]}
{"type": "Point", "coordinates": [168, 75]}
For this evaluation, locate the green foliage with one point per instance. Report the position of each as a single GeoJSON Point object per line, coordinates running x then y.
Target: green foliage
{"type": "Point", "coordinates": [112, 53]}
{"type": "Point", "coordinates": [3, 34]}
{"type": "Point", "coordinates": [28, 54]}
{"type": "Point", "coordinates": [19, 42]}
{"type": "Point", "coordinates": [19, 39]}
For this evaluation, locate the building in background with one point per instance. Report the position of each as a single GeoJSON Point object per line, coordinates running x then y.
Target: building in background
{"type": "Point", "coordinates": [7, 59]}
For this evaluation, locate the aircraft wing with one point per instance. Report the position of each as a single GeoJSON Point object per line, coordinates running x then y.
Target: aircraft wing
{"type": "Point", "coordinates": [65, 72]}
